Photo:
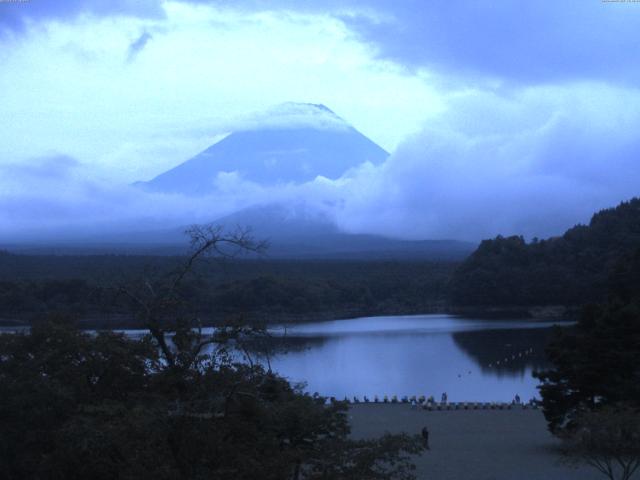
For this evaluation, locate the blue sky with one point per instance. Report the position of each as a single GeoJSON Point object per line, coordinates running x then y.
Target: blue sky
{"type": "Point", "coordinates": [502, 117]}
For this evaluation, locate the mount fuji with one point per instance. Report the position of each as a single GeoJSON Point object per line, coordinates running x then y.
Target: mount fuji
{"type": "Point", "coordinates": [291, 143]}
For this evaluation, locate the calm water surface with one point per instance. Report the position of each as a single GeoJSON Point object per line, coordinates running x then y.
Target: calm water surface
{"type": "Point", "coordinates": [470, 359]}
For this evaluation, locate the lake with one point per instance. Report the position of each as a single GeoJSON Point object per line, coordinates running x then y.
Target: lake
{"type": "Point", "coordinates": [470, 359]}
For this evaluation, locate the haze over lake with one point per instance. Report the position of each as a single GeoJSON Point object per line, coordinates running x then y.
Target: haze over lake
{"type": "Point", "coordinates": [415, 355]}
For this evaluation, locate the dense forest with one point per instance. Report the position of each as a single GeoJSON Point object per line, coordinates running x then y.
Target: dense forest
{"type": "Point", "coordinates": [571, 270]}
{"type": "Point", "coordinates": [598, 361]}
{"type": "Point", "coordinates": [87, 287]}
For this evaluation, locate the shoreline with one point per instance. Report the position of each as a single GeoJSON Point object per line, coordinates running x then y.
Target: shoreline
{"type": "Point", "coordinates": [99, 321]}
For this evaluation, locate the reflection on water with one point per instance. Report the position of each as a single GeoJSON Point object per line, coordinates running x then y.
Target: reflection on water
{"type": "Point", "coordinates": [470, 359]}
{"type": "Point", "coordinates": [506, 352]}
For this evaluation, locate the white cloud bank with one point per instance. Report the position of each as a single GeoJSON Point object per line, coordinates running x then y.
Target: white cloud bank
{"type": "Point", "coordinates": [492, 156]}
{"type": "Point", "coordinates": [532, 162]}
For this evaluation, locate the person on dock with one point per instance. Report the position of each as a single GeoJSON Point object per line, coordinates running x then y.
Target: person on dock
{"type": "Point", "coordinates": [425, 437]}
{"type": "Point", "coordinates": [517, 399]}
{"type": "Point", "coordinates": [443, 399]}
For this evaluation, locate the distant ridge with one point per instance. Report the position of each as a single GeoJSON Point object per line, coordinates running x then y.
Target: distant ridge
{"type": "Point", "coordinates": [293, 231]}
{"type": "Point", "coordinates": [292, 143]}
{"type": "Point", "coordinates": [296, 231]}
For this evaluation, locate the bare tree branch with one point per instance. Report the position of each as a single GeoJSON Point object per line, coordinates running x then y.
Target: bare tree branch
{"type": "Point", "coordinates": [156, 301]}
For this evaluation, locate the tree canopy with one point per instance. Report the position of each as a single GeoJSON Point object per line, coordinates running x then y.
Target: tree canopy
{"type": "Point", "coordinates": [573, 269]}
{"type": "Point", "coordinates": [102, 406]}
{"type": "Point", "coordinates": [176, 404]}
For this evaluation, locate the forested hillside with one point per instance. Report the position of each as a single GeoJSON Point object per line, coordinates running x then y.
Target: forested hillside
{"type": "Point", "coordinates": [86, 287]}
{"type": "Point", "coordinates": [573, 269]}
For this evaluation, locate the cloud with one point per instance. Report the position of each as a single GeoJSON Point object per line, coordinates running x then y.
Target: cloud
{"type": "Point", "coordinates": [527, 112]}
{"type": "Point", "coordinates": [51, 209]}
{"type": "Point", "coordinates": [534, 163]}
{"type": "Point", "coordinates": [290, 115]}
{"type": "Point", "coordinates": [65, 86]}
{"type": "Point", "coordinates": [522, 42]}
{"type": "Point", "coordinates": [525, 42]}
{"type": "Point", "coordinates": [56, 166]}
{"type": "Point", "coordinates": [138, 45]}
{"type": "Point", "coordinates": [15, 16]}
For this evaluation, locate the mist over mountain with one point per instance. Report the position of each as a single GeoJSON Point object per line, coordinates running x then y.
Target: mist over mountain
{"type": "Point", "coordinates": [300, 231]}
{"type": "Point", "coordinates": [291, 231]}
{"type": "Point", "coordinates": [292, 143]}
{"type": "Point", "coordinates": [456, 179]}
{"type": "Point", "coordinates": [481, 142]}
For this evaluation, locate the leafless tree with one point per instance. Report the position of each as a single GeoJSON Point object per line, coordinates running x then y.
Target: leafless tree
{"type": "Point", "coordinates": [157, 299]}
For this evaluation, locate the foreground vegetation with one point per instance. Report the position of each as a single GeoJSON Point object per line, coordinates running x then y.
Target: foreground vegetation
{"type": "Point", "coordinates": [178, 405]}
{"type": "Point", "coordinates": [174, 405]}
{"type": "Point", "coordinates": [76, 406]}
{"type": "Point", "coordinates": [591, 396]}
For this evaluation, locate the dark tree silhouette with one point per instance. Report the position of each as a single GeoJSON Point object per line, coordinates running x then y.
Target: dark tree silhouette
{"type": "Point", "coordinates": [569, 270]}
{"type": "Point", "coordinates": [79, 405]}
{"type": "Point", "coordinates": [608, 440]}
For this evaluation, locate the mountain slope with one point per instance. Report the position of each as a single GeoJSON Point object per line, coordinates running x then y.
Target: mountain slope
{"type": "Point", "coordinates": [573, 269]}
{"type": "Point", "coordinates": [295, 231]}
{"type": "Point", "coordinates": [316, 142]}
